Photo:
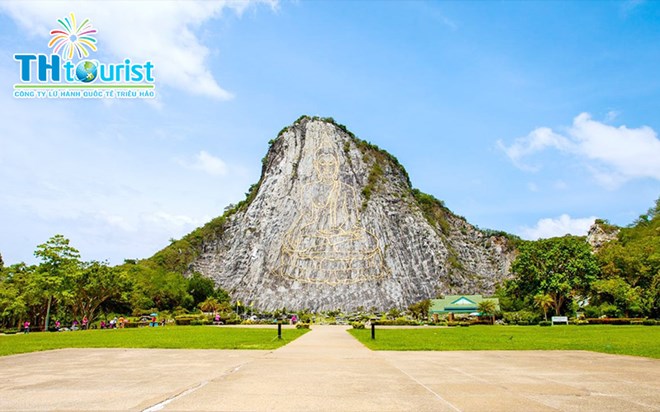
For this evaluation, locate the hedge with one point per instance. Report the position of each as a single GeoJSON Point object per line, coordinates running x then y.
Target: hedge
{"type": "Point", "coordinates": [613, 321]}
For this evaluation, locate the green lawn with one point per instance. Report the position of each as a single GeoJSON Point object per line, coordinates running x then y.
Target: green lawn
{"type": "Point", "coordinates": [169, 337]}
{"type": "Point", "coordinates": [622, 340]}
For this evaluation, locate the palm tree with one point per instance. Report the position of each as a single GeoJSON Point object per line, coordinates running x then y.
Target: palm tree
{"type": "Point", "coordinates": [210, 305]}
{"type": "Point", "coordinates": [393, 313]}
{"type": "Point", "coordinates": [544, 301]}
{"type": "Point", "coordinates": [487, 307]}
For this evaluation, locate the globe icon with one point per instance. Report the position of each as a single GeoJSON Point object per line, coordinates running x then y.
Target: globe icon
{"type": "Point", "coordinates": [86, 71]}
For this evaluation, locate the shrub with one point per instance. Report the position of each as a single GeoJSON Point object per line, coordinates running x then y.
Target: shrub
{"type": "Point", "coordinates": [199, 322]}
{"type": "Point", "coordinates": [301, 325]}
{"type": "Point", "coordinates": [464, 324]}
{"type": "Point", "coordinates": [130, 324]}
{"type": "Point", "coordinates": [480, 322]}
{"type": "Point", "coordinates": [357, 325]}
{"type": "Point", "coordinates": [649, 322]}
{"type": "Point", "coordinates": [402, 321]}
{"type": "Point", "coordinates": [232, 321]}
{"type": "Point", "coordinates": [545, 323]}
{"type": "Point", "coordinates": [592, 311]}
{"type": "Point", "coordinates": [187, 319]}
{"type": "Point", "coordinates": [521, 317]}
{"type": "Point", "coordinates": [609, 310]}
{"type": "Point", "coordinates": [452, 323]}
{"type": "Point", "coordinates": [613, 321]}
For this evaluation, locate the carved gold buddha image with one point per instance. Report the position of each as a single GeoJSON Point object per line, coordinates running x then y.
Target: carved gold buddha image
{"type": "Point", "coordinates": [327, 243]}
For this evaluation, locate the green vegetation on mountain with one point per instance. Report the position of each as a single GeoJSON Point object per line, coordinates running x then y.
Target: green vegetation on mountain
{"type": "Point", "coordinates": [630, 269]}
{"type": "Point", "coordinates": [434, 210]}
{"type": "Point", "coordinates": [621, 279]}
{"type": "Point", "coordinates": [181, 253]}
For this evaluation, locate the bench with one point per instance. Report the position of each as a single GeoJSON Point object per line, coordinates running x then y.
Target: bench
{"type": "Point", "coordinates": [560, 319]}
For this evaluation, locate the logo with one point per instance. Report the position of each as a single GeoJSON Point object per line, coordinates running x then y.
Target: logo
{"type": "Point", "coordinates": [73, 38]}
{"type": "Point", "coordinates": [70, 72]}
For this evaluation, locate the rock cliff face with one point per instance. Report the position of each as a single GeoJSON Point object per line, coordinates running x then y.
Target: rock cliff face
{"type": "Point", "coordinates": [334, 223]}
{"type": "Point", "coordinates": [600, 233]}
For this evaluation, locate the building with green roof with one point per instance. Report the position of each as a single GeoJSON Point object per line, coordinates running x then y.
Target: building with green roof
{"type": "Point", "coordinates": [464, 304]}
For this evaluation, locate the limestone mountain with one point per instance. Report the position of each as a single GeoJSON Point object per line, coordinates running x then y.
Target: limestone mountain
{"type": "Point", "coordinates": [334, 223]}
{"type": "Point", "coordinates": [600, 233]}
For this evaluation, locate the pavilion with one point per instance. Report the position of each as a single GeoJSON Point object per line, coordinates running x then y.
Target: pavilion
{"type": "Point", "coordinates": [459, 304]}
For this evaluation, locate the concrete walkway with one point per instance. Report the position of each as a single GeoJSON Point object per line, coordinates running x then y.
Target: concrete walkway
{"type": "Point", "coordinates": [327, 370]}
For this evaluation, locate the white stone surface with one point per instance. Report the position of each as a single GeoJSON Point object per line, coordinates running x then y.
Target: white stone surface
{"type": "Point", "coordinates": [309, 239]}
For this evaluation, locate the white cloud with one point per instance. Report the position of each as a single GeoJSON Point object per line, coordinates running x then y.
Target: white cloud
{"type": "Point", "coordinates": [206, 163]}
{"type": "Point", "coordinates": [163, 32]}
{"type": "Point", "coordinates": [627, 153]}
{"type": "Point", "coordinates": [612, 154]}
{"type": "Point", "coordinates": [538, 140]}
{"type": "Point", "coordinates": [560, 226]}
{"type": "Point", "coordinates": [170, 222]}
{"type": "Point", "coordinates": [83, 178]}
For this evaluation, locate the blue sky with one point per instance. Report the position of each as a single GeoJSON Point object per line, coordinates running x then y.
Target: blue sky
{"type": "Point", "coordinates": [530, 117]}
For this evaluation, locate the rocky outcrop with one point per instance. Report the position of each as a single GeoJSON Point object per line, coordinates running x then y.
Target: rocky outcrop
{"type": "Point", "coordinates": [334, 223]}
{"type": "Point", "coordinates": [600, 233]}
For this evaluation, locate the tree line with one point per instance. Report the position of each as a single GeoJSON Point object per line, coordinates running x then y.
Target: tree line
{"type": "Point", "coordinates": [564, 275]}
{"type": "Point", "coordinates": [65, 288]}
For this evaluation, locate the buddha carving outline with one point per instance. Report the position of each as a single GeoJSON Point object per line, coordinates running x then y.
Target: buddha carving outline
{"type": "Point", "coordinates": [327, 243]}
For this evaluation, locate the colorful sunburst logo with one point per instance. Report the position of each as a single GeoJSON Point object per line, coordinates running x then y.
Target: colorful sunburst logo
{"type": "Point", "coordinates": [73, 39]}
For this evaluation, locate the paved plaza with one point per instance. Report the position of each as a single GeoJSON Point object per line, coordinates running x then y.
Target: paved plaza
{"type": "Point", "coordinates": [327, 370]}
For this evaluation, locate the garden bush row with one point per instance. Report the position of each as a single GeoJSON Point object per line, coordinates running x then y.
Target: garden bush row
{"type": "Point", "coordinates": [621, 321]}
{"type": "Point", "coordinates": [199, 320]}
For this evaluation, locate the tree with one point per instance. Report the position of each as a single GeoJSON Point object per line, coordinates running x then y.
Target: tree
{"type": "Point", "coordinates": [543, 301]}
{"type": "Point", "coordinates": [618, 292]}
{"type": "Point", "coordinates": [155, 287]}
{"type": "Point", "coordinates": [21, 295]}
{"type": "Point", "coordinates": [222, 295]}
{"type": "Point", "coordinates": [509, 302]}
{"type": "Point", "coordinates": [13, 307]}
{"type": "Point", "coordinates": [2, 263]}
{"type": "Point", "coordinates": [58, 260]}
{"type": "Point", "coordinates": [559, 267]}
{"type": "Point", "coordinates": [633, 258]}
{"type": "Point", "coordinates": [393, 313]}
{"type": "Point", "coordinates": [420, 310]}
{"type": "Point", "coordinates": [95, 284]}
{"type": "Point", "coordinates": [210, 305]}
{"type": "Point", "coordinates": [487, 307]}
{"type": "Point", "coordinates": [200, 288]}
